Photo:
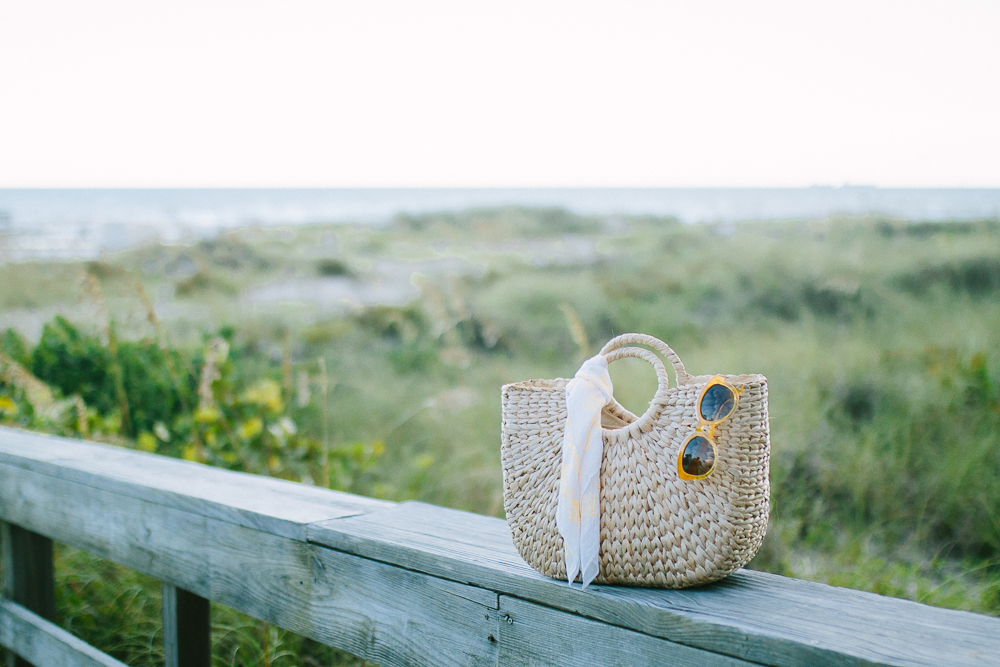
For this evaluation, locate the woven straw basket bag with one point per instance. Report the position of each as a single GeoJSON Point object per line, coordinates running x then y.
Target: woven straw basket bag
{"type": "Point", "coordinates": [657, 529]}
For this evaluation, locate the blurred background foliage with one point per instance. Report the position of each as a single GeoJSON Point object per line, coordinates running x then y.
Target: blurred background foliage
{"type": "Point", "coordinates": [370, 359]}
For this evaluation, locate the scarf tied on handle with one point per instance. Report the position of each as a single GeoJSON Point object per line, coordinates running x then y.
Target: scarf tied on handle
{"type": "Point", "coordinates": [578, 514]}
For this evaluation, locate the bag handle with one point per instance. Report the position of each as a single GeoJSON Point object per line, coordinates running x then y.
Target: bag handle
{"type": "Point", "coordinates": [618, 342]}
{"type": "Point", "coordinates": [622, 346]}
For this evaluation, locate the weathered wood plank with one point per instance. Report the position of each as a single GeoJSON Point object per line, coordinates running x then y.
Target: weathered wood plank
{"type": "Point", "coordinates": [751, 615]}
{"type": "Point", "coordinates": [255, 501]}
{"type": "Point", "coordinates": [382, 613]}
{"type": "Point", "coordinates": [126, 507]}
{"type": "Point", "coordinates": [45, 644]}
{"type": "Point", "coordinates": [139, 534]}
{"type": "Point", "coordinates": [187, 628]}
{"type": "Point", "coordinates": [28, 575]}
{"type": "Point", "coordinates": [538, 636]}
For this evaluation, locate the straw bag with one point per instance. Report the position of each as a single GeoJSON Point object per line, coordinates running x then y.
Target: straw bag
{"type": "Point", "coordinates": [657, 529]}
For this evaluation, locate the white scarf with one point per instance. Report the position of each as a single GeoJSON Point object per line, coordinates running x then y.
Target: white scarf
{"type": "Point", "coordinates": [578, 515]}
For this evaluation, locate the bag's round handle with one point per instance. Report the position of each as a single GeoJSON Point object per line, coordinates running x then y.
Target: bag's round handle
{"type": "Point", "coordinates": [621, 346]}
{"type": "Point", "coordinates": [645, 422]}
{"type": "Point", "coordinates": [618, 342]}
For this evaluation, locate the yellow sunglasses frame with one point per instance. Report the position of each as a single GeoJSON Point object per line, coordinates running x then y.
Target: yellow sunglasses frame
{"type": "Point", "coordinates": [710, 434]}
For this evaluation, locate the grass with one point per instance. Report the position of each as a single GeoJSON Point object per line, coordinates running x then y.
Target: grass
{"type": "Point", "coordinates": [879, 339]}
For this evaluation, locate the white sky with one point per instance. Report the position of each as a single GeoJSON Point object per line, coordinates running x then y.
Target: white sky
{"type": "Point", "coordinates": [465, 93]}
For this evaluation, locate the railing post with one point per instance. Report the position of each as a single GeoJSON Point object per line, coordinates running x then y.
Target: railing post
{"type": "Point", "coordinates": [187, 628]}
{"type": "Point", "coordinates": [28, 577]}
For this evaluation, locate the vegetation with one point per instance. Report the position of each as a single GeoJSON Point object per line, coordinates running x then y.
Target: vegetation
{"type": "Point", "coordinates": [370, 359]}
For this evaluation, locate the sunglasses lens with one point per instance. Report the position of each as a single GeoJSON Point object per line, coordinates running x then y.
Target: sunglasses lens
{"type": "Point", "coordinates": [718, 403]}
{"type": "Point", "coordinates": [699, 457]}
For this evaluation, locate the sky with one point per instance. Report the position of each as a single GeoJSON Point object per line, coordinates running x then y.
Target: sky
{"type": "Point", "coordinates": [299, 93]}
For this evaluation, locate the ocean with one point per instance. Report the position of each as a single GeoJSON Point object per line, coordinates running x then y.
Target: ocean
{"type": "Point", "coordinates": [79, 223]}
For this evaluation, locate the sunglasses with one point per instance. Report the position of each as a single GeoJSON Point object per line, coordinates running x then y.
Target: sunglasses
{"type": "Point", "coordinates": [716, 403]}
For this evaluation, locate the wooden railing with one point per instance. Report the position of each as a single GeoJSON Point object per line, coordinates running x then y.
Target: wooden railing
{"type": "Point", "coordinates": [403, 584]}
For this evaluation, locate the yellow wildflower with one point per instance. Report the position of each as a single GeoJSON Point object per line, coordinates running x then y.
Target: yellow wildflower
{"type": "Point", "coordinates": [266, 393]}
{"type": "Point", "coordinates": [146, 442]}
{"type": "Point", "coordinates": [251, 428]}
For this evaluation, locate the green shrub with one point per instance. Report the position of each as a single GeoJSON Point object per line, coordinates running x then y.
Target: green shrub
{"type": "Point", "coordinates": [75, 363]}
{"type": "Point", "coordinates": [14, 346]}
{"type": "Point", "coordinates": [332, 267]}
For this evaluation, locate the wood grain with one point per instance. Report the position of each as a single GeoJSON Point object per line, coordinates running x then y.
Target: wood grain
{"type": "Point", "coordinates": [538, 636]}
{"type": "Point", "coordinates": [255, 501]}
{"type": "Point", "coordinates": [418, 584]}
{"type": "Point", "coordinates": [382, 613]}
{"type": "Point", "coordinates": [28, 574]}
{"type": "Point", "coordinates": [753, 616]}
{"type": "Point", "coordinates": [45, 644]}
{"type": "Point", "coordinates": [28, 569]}
{"type": "Point", "coordinates": [160, 541]}
{"type": "Point", "coordinates": [379, 612]}
{"type": "Point", "coordinates": [187, 628]}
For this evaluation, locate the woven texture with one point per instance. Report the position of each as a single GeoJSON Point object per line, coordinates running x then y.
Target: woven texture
{"type": "Point", "coordinates": [656, 529]}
